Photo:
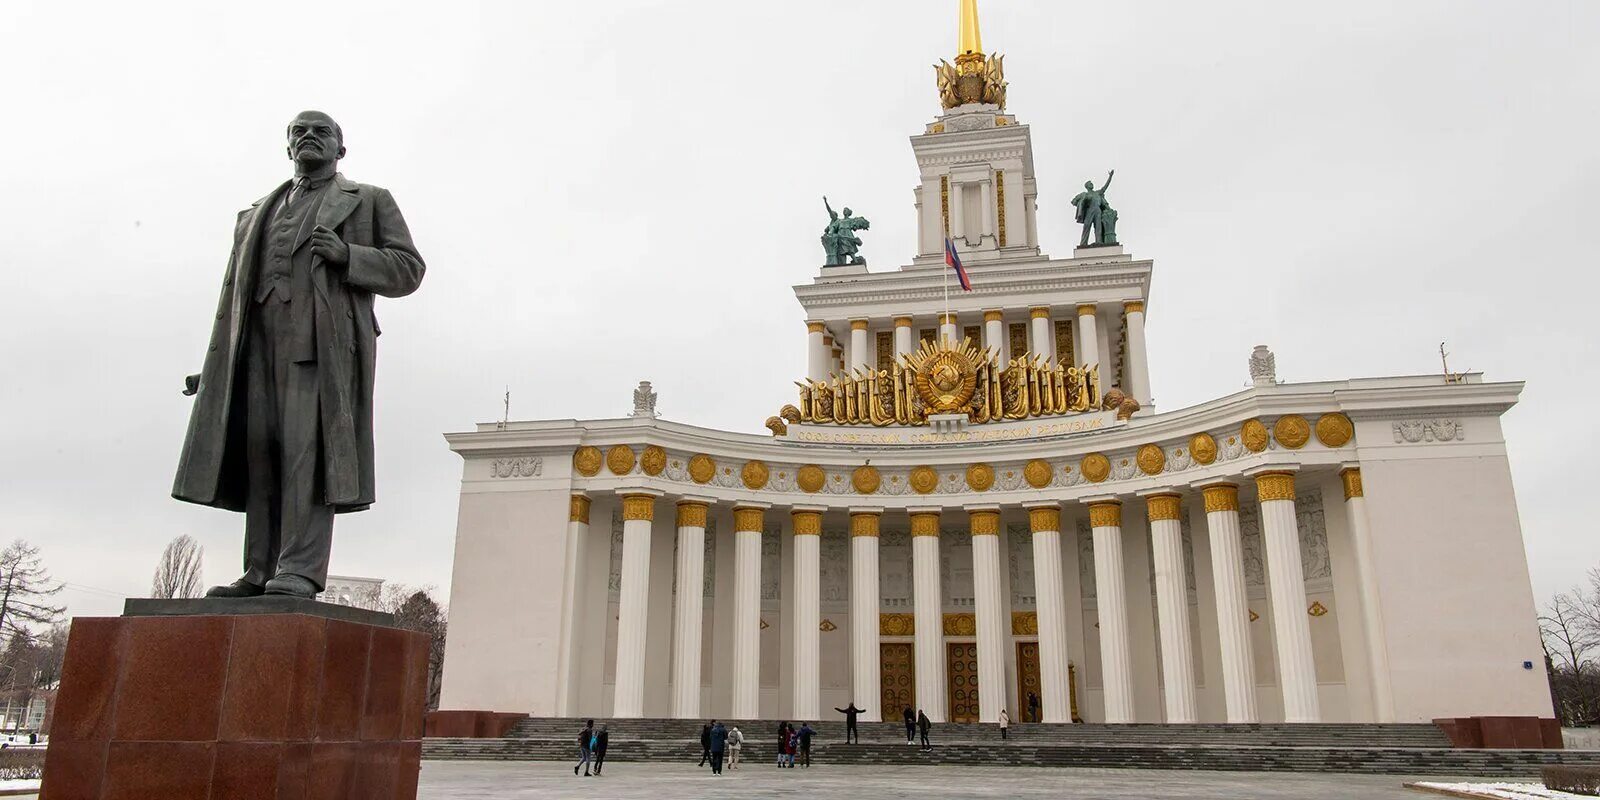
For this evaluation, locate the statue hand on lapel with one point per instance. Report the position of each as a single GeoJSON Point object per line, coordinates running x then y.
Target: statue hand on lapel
{"type": "Point", "coordinates": [328, 245]}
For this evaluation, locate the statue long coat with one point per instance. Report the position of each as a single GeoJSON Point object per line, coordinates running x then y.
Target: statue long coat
{"type": "Point", "coordinates": [383, 261]}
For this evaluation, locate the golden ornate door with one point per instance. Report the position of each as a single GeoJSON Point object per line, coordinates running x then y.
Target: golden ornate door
{"type": "Point", "coordinates": [962, 662]}
{"type": "Point", "coordinates": [1027, 677]}
{"type": "Point", "coordinates": [898, 680]}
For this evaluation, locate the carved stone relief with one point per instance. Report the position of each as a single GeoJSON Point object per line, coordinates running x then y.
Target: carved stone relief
{"type": "Point", "coordinates": [524, 467]}
{"type": "Point", "coordinates": [1023, 593]}
{"type": "Point", "coordinates": [835, 569]}
{"type": "Point", "coordinates": [1441, 429]}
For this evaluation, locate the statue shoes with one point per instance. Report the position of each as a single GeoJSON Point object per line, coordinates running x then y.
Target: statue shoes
{"type": "Point", "coordinates": [293, 585]}
{"type": "Point", "coordinates": [239, 588]}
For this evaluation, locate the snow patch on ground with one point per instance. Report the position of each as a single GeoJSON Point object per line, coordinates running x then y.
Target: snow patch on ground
{"type": "Point", "coordinates": [1502, 791]}
{"type": "Point", "coordinates": [18, 785]}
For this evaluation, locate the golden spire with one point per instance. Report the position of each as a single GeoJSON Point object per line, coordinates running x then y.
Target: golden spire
{"type": "Point", "coordinates": [971, 41]}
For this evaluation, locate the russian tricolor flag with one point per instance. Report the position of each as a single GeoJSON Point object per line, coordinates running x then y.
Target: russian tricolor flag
{"type": "Point", "coordinates": [954, 261]}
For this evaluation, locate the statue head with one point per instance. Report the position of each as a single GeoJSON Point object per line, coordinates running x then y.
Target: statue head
{"type": "Point", "coordinates": [1088, 185]}
{"type": "Point", "coordinates": [847, 211]}
{"type": "Point", "coordinates": [315, 140]}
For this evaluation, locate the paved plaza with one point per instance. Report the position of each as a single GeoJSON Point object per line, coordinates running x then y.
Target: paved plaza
{"type": "Point", "coordinates": [537, 781]}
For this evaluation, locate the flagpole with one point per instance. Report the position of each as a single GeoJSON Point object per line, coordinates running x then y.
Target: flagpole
{"type": "Point", "coordinates": [947, 267]}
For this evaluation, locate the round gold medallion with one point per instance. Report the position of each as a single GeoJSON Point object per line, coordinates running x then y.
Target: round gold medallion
{"type": "Point", "coordinates": [754, 474]}
{"type": "Point", "coordinates": [1335, 430]}
{"type": "Point", "coordinates": [586, 460]}
{"type": "Point", "coordinates": [810, 477]}
{"type": "Point", "coordinates": [1096, 467]}
{"type": "Point", "coordinates": [924, 480]}
{"type": "Point", "coordinates": [1254, 434]}
{"type": "Point", "coordinates": [980, 477]}
{"type": "Point", "coordinates": [1152, 459]}
{"type": "Point", "coordinates": [620, 459]}
{"type": "Point", "coordinates": [865, 479]}
{"type": "Point", "coordinates": [1037, 473]}
{"type": "Point", "coordinates": [702, 468]}
{"type": "Point", "coordinates": [1203, 448]}
{"type": "Point", "coordinates": [653, 461]}
{"type": "Point", "coordinates": [1292, 431]}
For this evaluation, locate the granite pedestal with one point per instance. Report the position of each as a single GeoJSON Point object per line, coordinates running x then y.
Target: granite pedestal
{"type": "Point", "coordinates": [277, 699]}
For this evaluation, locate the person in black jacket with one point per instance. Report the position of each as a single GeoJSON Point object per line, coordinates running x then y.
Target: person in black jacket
{"type": "Point", "coordinates": [911, 725]}
{"type": "Point", "coordinates": [719, 743]}
{"type": "Point", "coordinates": [804, 736]}
{"type": "Point", "coordinates": [585, 743]}
{"type": "Point", "coordinates": [850, 713]}
{"type": "Point", "coordinates": [923, 724]}
{"type": "Point", "coordinates": [705, 745]}
{"type": "Point", "coordinates": [601, 739]}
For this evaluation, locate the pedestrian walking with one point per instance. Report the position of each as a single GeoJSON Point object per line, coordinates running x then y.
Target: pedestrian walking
{"type": "Point", "coordinates": [601, 741]}
{"type": "Point", "coordinates": [705, 745]}
{"type": "Point", "coordinates": [850, 713]}
{"type": "Point", "coordinates": [804, 736]}
{"type": "Point", "coordinates": [923, 724]}
{"type": "Point", "coordinates": [911, 725]}
{"type": "Point", "coordinates": [1005, 722]}
{"type": "Point", "coordinates": [719, 743]}
{"type": "Point", "coordinates": [735, 744]}
{"type": "Point", "coordinates": [1033, 707]}
{"type": "Point", "coordinates": [585, 747]}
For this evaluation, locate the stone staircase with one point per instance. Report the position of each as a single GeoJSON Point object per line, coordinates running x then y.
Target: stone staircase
{"type": "Point", "coordinates": [1410, 749]}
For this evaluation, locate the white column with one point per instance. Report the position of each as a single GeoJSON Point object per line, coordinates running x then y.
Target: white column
{"type": "Point", "coordinates": [1087, 340]}
{"type": "Point", "coordinates": [638, 511]}
{"type": "Point", "coordinates": [1138, 367]}
{"type": "Point", "coordinates": [1172, 607]}
{"type": "Point", "coordinates": [688, 608]}
{"type": "Point", "coordinates": [1286, 585]}
{"type": "Point", "coordinates": [571, 594]}
{"type": "Point", "coordinates": [986, 222]}
{"type": "Point", "coordinates": [748, 521]}
{"type": "Point", "coordinates": [1233, 612]}
{"type": "Point", "coordinates": [904, 337]}
{"type": "Point", "coordinates": [817, 355]}
{"type": "Point", "coordinates": [1111, 601]}
{"type": "Point", "coordinates": [1055, 696]}
{"type": "Point", "coordinates": [958, 225]}
{"type": "Point", "coordinates": [1044, 344]}
{"type": "Point", "coordinates": [1355, 504]}
{"type": "Point", "coordinates": [860, 353]}
{"type": "Point", "coordinates": [994, 331]}
{"type": "Point", "coordinates": [807, 612]}
{"type": "Point", "coordinates": [990, 609]}
{"type": "Point", "coordinates": [949, 331]}
{"type": "Point", "coordinates": [928, 609]}
{"type": "Point", "coordinates": [865, 670]}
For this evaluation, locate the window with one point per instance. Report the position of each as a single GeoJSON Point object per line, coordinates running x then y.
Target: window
{"type": "Point", "coordinates": [1064, 341]}
{"type": "Point", "coordinates": [1019, 338]}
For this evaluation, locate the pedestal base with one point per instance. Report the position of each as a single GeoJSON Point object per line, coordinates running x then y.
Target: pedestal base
{"type": "Point", "coordinates": [224, 706]}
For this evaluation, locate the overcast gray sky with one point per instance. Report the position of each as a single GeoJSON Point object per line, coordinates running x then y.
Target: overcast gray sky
{"type": "Point", "coordinates": [613, 191]}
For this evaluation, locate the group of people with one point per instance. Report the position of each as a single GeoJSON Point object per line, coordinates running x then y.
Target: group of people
{"type": "Point", "coordinates": [794, 741]}
{"type": "Point", "coordinates": [917, 723]}
{"type": "Point", "coordinates": [717, 741]}
{"type": "Point", "coordinates": [591, 748]}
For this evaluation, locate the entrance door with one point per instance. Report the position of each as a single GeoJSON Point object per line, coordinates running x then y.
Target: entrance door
{"type": "Point", "coordinates": [1027, 678]}
{"type": "Point", "coordinates": [962, 662]}
{"type": "Point", "coordinates": [897, 679]}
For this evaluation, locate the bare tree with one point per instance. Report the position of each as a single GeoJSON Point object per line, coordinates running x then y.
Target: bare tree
{"type": "Point", "coordinates": [1570, 631]}
{"type": "Point", "coordinates": [25, 588]}
{"type": "Point", "coordinates": [415, 609]}
{"type": "Point", "coordinates": [178, 574]}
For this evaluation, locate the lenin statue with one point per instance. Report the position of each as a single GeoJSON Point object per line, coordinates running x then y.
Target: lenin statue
{"type": "Point", "coordinates": [281, 427]}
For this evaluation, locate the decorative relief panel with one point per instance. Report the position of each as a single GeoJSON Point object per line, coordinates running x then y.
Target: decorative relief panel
{"type": "Point", "coordinates": [894, 568]}
{"type": "Point", "coordinates": [1441, 429]}
{"type": "Point", "coordinates": [709, 571]}
{"type": "Point", "coordinates": [614, 581]}
{"type": "Point", "coordinates": [1250, 543]}
{"type": "Point", "coordinates": [1313, 525]}
{"type": "Point", "coordinates": [835, 568]}
{"type": "Point", "coordinates": [1085, 559]}
{"type": "Point", "coordinates": [1020, 543]}
{"type": "Point", "coordinates": [771, 565]}
{"type": "Point", "coordinates": [955, 568]}
{"type": "Point", "coordinates": [525, 467]}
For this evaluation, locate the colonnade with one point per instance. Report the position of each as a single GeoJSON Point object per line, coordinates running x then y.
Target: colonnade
{"type": "Point", "coordinates": [1275, 491]}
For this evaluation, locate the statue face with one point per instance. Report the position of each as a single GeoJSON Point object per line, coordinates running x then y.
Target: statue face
{"type": "Point", "coordinates": [315, 139]}
{"type": "Point", "coordinates": [1088, 185]}
{"type": "Point", "coordinates": [847, 211]}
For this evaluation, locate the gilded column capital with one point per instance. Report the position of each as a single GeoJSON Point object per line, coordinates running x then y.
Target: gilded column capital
{"type": "Point", "coordinates": [639, 507]}
{"type": "Point", "coordinates": [984, 522]}
{"type": "Point", "coordinates": [813, 326]}
{"type": "Point", "coordinates": [1105, 514]}
{"type": "Point", "coordinates": [924, 523]}
{"type": "Point", "coordinates": [864, 523]}
{"type": "Point", "coordinates": [1221, 497]}
{"type": "Point", "coordinates": [748, 519]}
{"type": "Point", "coordinates": [1039, 312]}
{"type": "Point", "coordinates": [1086, 309]}
{"type": "Point", "coordinates": [948, 318]}
{"type": "Point", "coordinates": [1133, 306]}
{"type": "Point", "coordinates": [994, 315]}
{"type": "Point", "coordinates": [807, 523]}
{"type": "Point", "coordinates": [1165, 506]}
{"type": "Point", "coordinates": [1275, 486]}
{"type": "Point", "coordinates": [902, 322]}
{"type": "Point", "coordinates": [580, 509]}
{"type": "Point", "coordinates": [1043, 519]}
{"type": "Point", "coordinates": [1351, 476]}
{"type": "Point", "coordinates": [692, 513]}
{"type": "Point", "coordinates": [858, 324]}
